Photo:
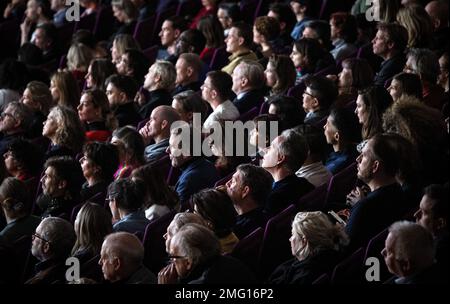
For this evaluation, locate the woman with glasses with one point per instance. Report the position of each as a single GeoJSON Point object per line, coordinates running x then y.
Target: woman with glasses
{"type": "Point", "coordinates": [316, 244]}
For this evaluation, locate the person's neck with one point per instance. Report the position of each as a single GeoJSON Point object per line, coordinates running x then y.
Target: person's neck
{"type": "Point", "coordinates": [241, 50]}
{"type": "Point", "coordinates": [94, 120]}
{"type": "Point", "coordinates": [381, 181]}
{"type": "Point", "coordinates": [265, 47]}
{"type": "Point", "coordinates": [389, 55]}
{"type": "Point", "coordinates": [340, 146]}
{"type": "Point", "coordinates": [300, 17]}
{"type": "Point", "coordinates": [92, 180]}
{"type": "Point", "coordinates": [160, 137]}
{"type": "Point", "coordinates": [280, 174]}
{"type": "Point", "coordinates": [171, 48]}
{"type": "Point", "coordinates": [244, 206]}
{"type": "Point", "coordinates": [215, 103]}
{"type": "Point", "coordinates": [122, 213]}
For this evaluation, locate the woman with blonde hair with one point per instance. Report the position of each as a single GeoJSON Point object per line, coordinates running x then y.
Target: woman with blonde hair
{"type": "Point", "coordinates": [65, 90]}
{"type": "Point", "coordinates": [92, 225]}
{"type": "Point", "coordinates": [418, 24]}
{"type": "Point", "coordinates": [95, 113]}
{"type": "Point", "coordinates": [65, 132]}
{"type": "Point", "coordinates": [79, 57]}
{"type": "Point", "coordinates": [316, 245]}
{"type": "Point", "coordinates": [121, 43]}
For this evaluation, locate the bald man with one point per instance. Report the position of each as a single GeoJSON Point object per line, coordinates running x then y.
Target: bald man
{"type": "Point", "coordinates": [158, 130]}
{"type": "Point", "coordinates": [121, 259]}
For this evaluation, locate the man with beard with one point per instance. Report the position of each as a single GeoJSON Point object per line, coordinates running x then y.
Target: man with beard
{"type": "Point", "coordinates": [377, 167]}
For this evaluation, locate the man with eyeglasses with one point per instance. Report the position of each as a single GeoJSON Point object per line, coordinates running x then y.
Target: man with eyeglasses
{"type": "Point", "coordinates": [14, 122]}
{"type": "Point", "coordinates": [121, 259]}
{"type": "Point", "coordinates": [51, 245]}
{"type": "Point", "coordinates": [319, 94]}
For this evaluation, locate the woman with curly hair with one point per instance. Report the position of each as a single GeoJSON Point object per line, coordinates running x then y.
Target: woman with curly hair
{"type": "Point", "coordinates": [424, 127]}
{"type": "Point", "coordinates": [65, 132]}
{"type": "Point", "coordinates": [94, 112]}
{"type": "Point", "coordinates": [65, 90]}
{"type": "Point", "coordinates": [316, 245]}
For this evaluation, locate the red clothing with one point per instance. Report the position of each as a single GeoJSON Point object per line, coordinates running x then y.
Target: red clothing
{"type": "Point", "coordinates": [200, 14]}
{"type": "Point", "coordinates": [98, 135]}
{"type": "Point", "coordinates": [207, 54]}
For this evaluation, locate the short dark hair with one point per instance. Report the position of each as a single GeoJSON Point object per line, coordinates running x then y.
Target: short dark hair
{"type": "Point", "coordinates": [439, 195]}
{"type": "Point", "coordinates": [178, 22]}
{"type": "Point", "coordinates": [258, 180]}
{"type": "Point", "coordinates": [232, 9]}
{"type": "Point", "coordinates": [396, 33]}
{"type": "Point", "coordinates": [27, 154]}
{"type": "Point", "coordinates": [285, 14]}
{"type": "Point", "coordinates": [133, 143]}
{"type": "Point", "coordinates": [138, 62]}
{"type": "Point", "coordinates": [245, 31]}
{"type": "Point", "coordinates": [323, 31]}
{"type": "Point", "coordinates": [322, 88]}
{"type": "Point", "coordinates": [347, 24]}
{"type": "Point", "coordinates": [104, 155]}
{"type": "Point", "coordinates": [128, 195]}
{"type": "Point", "coordinates": [125, 84]}
{"type": "Point", "coordinates": [315, 138]}
{"type": "Point", "coordinates": [216, 207]}
{"type": "Point", "coordinates": [68, 169]}
{"type": "Point", "coordinates": [346, 123]}
{"type": "Point", "coordinates": [222, 83]}
{"type": "Point", "coordinates": [362, 72]}
{"type": "Point", "coordinates": [289, 113]}
{"type": "Point", "coordinates": [384, 149]}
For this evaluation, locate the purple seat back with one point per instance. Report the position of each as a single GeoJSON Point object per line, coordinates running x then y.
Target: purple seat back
{"type": "Point", "coordinates": [86, 23]}
{"type": "Point", "coordinates": [151, 53]}
{"type": "Point", "coordinates": [144, 31]}
{"type": "Point", "coordinates": [314, 200]}
{"type": "Point", "coordinates": [219, 59]}
{"type": "Point", "coordinates": [374, 248]}
{"type": "Point", "coordinates": [247, 249]}
{"type": "Point", "coordinates": [155, 255]}
{"type": "Point", "coordinates": [349, 271]}
{"type": "Point", "coordinates": [249, 115]}
{"type": "Point", "coordinates": [341, 184]}
{"type": "Point", "coordinates": [75, 210]}
{"type": "Point", "coordinates": [103, 28]}
{"type": "Point", "coordinates": [275, 247]}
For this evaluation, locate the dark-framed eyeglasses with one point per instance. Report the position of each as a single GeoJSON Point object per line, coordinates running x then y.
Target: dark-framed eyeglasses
{"type": "Point", "coordinates": [35, 235]}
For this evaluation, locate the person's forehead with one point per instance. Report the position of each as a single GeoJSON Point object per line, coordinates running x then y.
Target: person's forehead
{"type": "Point", "coordinates": [426, 203]}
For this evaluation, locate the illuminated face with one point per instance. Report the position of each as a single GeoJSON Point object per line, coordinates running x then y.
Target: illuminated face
{"type": "Point", "coordinates": [183, 74]}
{"type": "Point", "coordinates": [224, 20]}
{"type": "Point", "coordinates": [297, 58]}
{"type": "Point", "coordinates": [8, 121]}
{"type": "Point", "coordinates": [361, 110]}
{"type": "Point", "coordinates": [175, 151]}
{"type": "Point", "coordinates": [54, 90]}
{"type": "Point", "coordinates": [87, 112]}
{"type": "Point", "coordinates": [89, 168]}
{"type": "Point", "coordinates": [233, 40]}
{"type": "Point", "coordinates": [271, 75]}
{"type": "Point", "coordinates": [389, 255]}
{"type": "Point", "coordinates": [365, 163]}
{"type": "Point", "coordinates": [50, 182]}
{"type": "Point", "coordinates": [345, 79]}
{"type": "Point", "coordinates": [207, 89]}
{"type": "Point", "coordinates": [425, 217]}
{"type": "Point", "coordinates": [309, 101]}
{"type": "Point", "coordinates": [271, 154]}
{"type": "Point", "coordinates": [235, 187]}
{"type": "Point", "coordinates": [50, 125]}
{"type": "Point", "coordinates": [115, 97]}
{"type": "Point", "coordinates": [330, 131]}
{"type": "Point", "coordinates": [185, 116]}
{"type": "Point", "coordinates": [168, 34]}
{"type": "Point", "coordinates": [380, 43]}
{"type": "Point", "coordinates": [108, 263]}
